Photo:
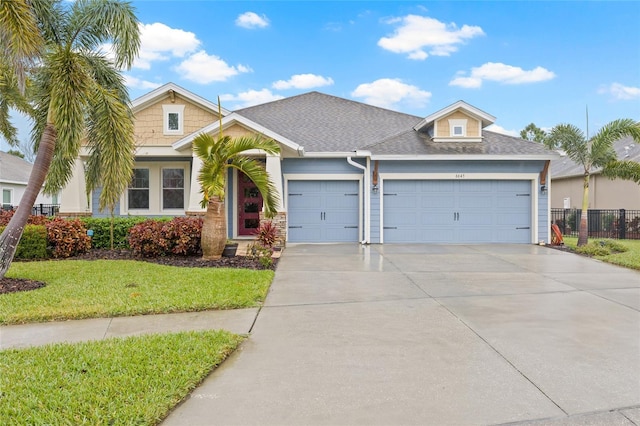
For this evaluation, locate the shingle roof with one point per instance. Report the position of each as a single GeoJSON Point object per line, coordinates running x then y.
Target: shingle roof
{"type": "Point", "coordinates": [325, 123]}
{"type": "Point", "coordinates": [625, 148]}
{"type": "Point", "coordinates": [494, 144]}
{"type": "Point", "coordinates": [14, 168]}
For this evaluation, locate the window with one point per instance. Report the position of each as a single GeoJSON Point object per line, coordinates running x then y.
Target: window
{"type": "Point", "coordinates": [458, 128]}
{"type": "Point", "coordinates": [172, 188]}
{"type": "Point", "coordinates": [6, 198]}
{"type": "Point", "coordinates": [139, 189]}
{"type": "Point", "coordinates": [173, 119]}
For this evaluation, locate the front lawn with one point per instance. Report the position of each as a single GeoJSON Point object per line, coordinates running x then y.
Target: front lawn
{"type": "Point", "coordinates": [136, 380]}
{"type": "Point", "coordinates": [102, 288]}
{"type": "Point", "coordinates": [628, 259]}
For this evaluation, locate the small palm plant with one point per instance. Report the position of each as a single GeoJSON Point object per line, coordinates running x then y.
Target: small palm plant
{"type": "Point", "coordinates": [218, 155]}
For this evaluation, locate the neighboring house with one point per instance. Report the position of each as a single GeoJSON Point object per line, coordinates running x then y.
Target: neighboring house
{"type": "Point", "coordinates": [604, 193]}
{"type": "Point", "coordinates": [14, 175]}
{"type": "Point", "coordinates": [347, 172]}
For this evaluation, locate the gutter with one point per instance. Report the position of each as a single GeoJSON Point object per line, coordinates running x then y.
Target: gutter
{"type": "Point", "coordinates": [367, 196]}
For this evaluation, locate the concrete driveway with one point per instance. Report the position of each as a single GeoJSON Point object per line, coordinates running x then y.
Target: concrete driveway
{"type": "Point", "coordinates": [434, 335]}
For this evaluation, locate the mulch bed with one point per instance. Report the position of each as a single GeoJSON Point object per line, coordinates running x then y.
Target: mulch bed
{"type": "Point", "coordinates": [8, 285]}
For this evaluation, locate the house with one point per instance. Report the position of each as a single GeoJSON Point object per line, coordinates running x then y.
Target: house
{"type": "Point", "coordinates": [604, 193]}
{"type": "Point", "coordinates": [14, 175]}
{"type": "Point", "coordinates": [347, 172]}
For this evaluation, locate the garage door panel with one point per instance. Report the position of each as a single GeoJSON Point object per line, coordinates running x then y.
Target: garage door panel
{"type": "Point", "coordinates": [441, 201]}
{"type": "Point", "coordinates": [323, 211]}
{"type": "Point", "coordinates": [461, 211]}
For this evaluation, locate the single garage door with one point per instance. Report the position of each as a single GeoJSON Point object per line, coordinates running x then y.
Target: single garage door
{"type": "Point", "coordinates": [323, 211]}
{"type": "Point", "coordinates": [457, 211]}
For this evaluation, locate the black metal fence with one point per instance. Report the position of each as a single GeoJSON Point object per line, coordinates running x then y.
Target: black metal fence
{"type": "Point", "coordinates": [617, 224]}
{"type": "Point", "coordinates": [38, 209]}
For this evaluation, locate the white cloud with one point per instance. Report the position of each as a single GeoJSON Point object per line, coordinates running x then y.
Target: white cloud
{"type": "Point", "coordinates": [500, 129]}
{"type": "Point", "coordinates": [621, 92]}
{"type": "Point", "coordinates": [251, 97]}
{"type": "Point", "coordinates": [303, 81]}
{"type": "Point", "coordinates": [136, 83]}
{"type": "Point", "coordinates": [158, 42]}
{"type": "Point", "coordinates": [204, 68]}
{"type": "Point", "coordinates": [502, 73]}
{"type": "Point", "coordinates": [387, 92]}
{"type": "Point", "coordinates": [252, 20]}
{"type": "Point", "coordinates": [421, 36]}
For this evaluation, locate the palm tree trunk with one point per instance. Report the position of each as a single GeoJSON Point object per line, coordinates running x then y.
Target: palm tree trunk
{"type": "Point", "coordinates": [13, 232]}
{"type": "Point", "coordinates": [583, 230]}
{"type": "Point", "coordinates": [214, 229]}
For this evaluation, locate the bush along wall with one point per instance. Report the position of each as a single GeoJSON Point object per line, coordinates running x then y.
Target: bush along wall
{"type": "Point", "coordinates": [67, 237]}
{"type": "Point", "coordinates": [153, 238]}
{"type": "Point", "coordinates": [101, 227]}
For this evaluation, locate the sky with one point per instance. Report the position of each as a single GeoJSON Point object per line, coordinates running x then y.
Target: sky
{"type": "Point", "coordinates": [544, 62]}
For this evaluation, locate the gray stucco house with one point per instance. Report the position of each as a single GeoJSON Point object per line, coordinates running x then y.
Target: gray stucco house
{"type": "Point", "coordinates": [347, 171]}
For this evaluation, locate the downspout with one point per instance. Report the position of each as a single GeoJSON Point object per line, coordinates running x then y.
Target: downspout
{"type": "Point", "coordinates": [367, 195]}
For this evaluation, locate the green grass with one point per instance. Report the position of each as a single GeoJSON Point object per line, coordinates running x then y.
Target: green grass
{"type": "Point", "coordinates": [136, 380]}
{"type": "Point", "coordinates": [628, 259]}
{"type": "Point", "coordinates": [103, 288]}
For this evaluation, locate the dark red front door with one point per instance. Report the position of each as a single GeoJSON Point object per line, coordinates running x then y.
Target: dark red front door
{"type": "Point", "coordinates": [249, 206]}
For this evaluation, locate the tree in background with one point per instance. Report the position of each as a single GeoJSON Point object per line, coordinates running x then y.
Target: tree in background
{"type": "Point", "coordinates": [76, 92]}
{"type": "Point", "coordinates": [596, 151]}
{"type": "Point", "coordinates": [16, 153]}
{"type": "Point", "coordinates": [536, 134]}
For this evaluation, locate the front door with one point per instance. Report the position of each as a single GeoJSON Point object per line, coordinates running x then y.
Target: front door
{"type": "Point", "coordinates": [249, 206]}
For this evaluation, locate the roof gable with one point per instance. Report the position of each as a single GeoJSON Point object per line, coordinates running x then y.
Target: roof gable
{"type": "Point", "coordinates": [14, 169]}
{"type": "Point", "coordinates": [470, 110]}
{"type": "Point", "coordinates": [170, 89]}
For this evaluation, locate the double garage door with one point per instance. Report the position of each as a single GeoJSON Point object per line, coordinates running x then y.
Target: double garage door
{"type": "Point", "coordinates": [457, 211]}
{"type": "Point", "coordinates": [323, 211]}
{"type": "Point", "coordinates": [414, 211]}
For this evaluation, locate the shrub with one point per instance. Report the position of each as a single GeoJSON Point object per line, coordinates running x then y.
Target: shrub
{"type": "Point", "coordinates": [602, 248]}
{"type": "Point", "coordinates": [33, 244]}
{"type": "Point", "coordinates": [267, 234]}
{"type": "Point", "coordinates": [101, 227]}
{"type": "Point", "coordinates": [183, 235]}
{"type": "Point", "coordinates": [6, 215]}
{"type": "Point", "coordinates": [146, 239]}
{"type": "Point", "coordinates": [262, 253]}
{"type": "Point", "coordinates": [67, 237]}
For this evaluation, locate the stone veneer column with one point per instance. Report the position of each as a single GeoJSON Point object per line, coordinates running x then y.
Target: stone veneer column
{"type": "Point", "coordinates": [280, 222]}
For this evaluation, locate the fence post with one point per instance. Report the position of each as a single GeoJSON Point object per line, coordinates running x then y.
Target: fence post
{"type": "Point", "coordinates": [622, 225]}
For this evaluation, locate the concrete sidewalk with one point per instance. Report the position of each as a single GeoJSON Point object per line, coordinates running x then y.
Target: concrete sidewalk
{"type": "Point", "coordinates": [237, 321]}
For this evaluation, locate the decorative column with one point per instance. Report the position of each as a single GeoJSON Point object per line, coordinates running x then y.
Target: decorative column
{"type": "Point", "coordinates": [195, 196]}
{"type": "Point", "coordinates": [273, 166]}
{"type": "Point", "coordinates": [73, 198]}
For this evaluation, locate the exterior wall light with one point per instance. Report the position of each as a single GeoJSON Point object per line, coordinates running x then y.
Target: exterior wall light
{"type": "Point", "coordinates": [375, 188]}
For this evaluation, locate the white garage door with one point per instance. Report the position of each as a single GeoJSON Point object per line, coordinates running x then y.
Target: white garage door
{"type": "Point", "coordinates": [323, 211]}
{"type": "Point", "coordinates": [457, 211]}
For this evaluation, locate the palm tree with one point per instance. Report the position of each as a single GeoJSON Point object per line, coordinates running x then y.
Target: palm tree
{"type": "Point", "coordinates": [218, 155]}
{"type": "Point", "coordinates": [591, 153]}
{"type": "Point", "coordinates": [78, 92]}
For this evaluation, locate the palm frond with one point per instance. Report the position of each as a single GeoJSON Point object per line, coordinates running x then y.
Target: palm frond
{"type": "Point", "coordinates": [626, 170]}
{"type": "Point", "coordinates": [111, 143]}
{"type": "Point", "coordinates": [101, 21]}
{"type": "Point", "coordinates": [572, 140]}
{"type": "Point", "coordinates": [602, 151]}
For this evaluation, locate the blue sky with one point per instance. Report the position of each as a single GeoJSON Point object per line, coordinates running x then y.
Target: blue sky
{"type": "Point", "coordinates": [525, 61]}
